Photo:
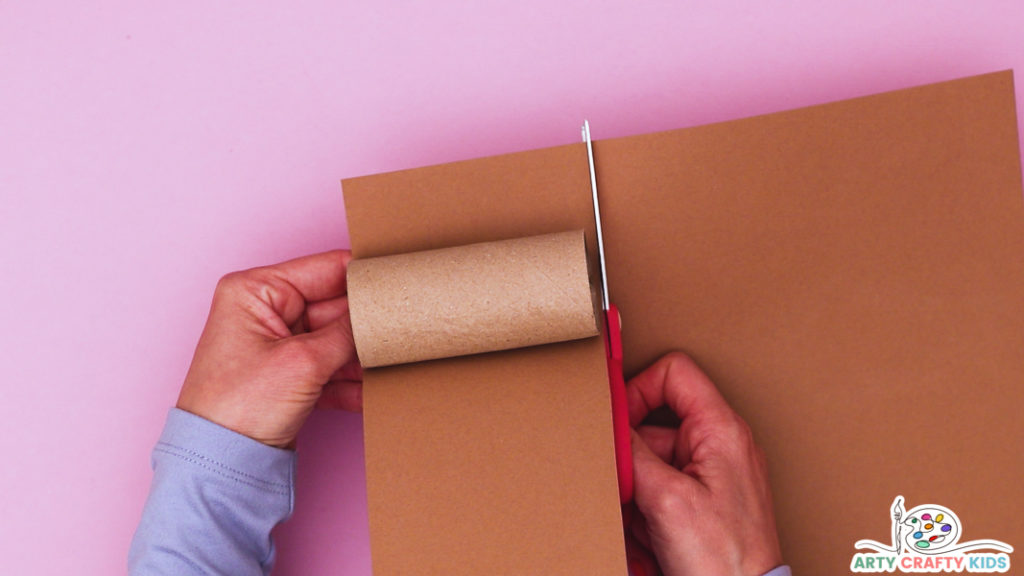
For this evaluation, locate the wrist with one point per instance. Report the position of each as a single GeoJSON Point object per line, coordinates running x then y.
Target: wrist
{"type": "Point", "coordinates": [235, 418]}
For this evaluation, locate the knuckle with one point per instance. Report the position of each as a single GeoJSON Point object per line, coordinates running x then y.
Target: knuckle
{"type": "Point", "coordinates": [739, 433]}
{"type": "Point", "coordinates": [256, 281]}
{"type": "Point", "coordinates": [232, 282]}
{"type": "Point", "coordinates": [733, 438]}
{"type": "Point", "coordinates": [227, 281]}
{"type": "Point", "coordinates": [667, 502]}
{"type": "Point", "coordinates": [677, 360]}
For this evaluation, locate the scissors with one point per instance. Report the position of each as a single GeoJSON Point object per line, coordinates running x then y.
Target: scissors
{"type": "Point", "coordinates": [613, 351]}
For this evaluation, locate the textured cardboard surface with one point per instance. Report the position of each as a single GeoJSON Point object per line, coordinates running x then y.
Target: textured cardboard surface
{"type": "Point", "coordinates": [471, 299]}
{"type": "Point", "coordinates": [849, 275]}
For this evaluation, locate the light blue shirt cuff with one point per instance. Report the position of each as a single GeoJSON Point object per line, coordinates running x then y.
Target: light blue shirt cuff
{"type": "Point", "coordinates": [215, 497]}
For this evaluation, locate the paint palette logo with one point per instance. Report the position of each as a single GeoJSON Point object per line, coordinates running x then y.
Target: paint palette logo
{"type": "Point", "coordinates": [927, 539]}
{"type": "Point", "coordinates": [931, 529]}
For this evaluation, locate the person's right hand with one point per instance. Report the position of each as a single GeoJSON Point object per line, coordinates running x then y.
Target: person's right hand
{"type": "Point", "coordinates": [702, 488]}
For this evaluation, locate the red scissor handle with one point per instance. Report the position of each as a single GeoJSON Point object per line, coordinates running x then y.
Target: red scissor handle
{"type": "Point", "coordinates": [620, 410]}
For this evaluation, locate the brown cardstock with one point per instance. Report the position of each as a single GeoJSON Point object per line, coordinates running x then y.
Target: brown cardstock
{"type": "Point", "coordinates": [471, 299]}
{"type": "Point", "coordinates": [498, 463]}
{"type": "Point", "coordinates": [850, 275]}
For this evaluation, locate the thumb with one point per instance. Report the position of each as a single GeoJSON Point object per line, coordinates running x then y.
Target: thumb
{"type": "Point", "coordinates": [332, 346]}
{"type": "Point", "coordinates": [653, 478]}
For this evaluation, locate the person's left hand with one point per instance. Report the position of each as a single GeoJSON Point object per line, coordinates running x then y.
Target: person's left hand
{"type": "Point", "coordinates": [278, 342]}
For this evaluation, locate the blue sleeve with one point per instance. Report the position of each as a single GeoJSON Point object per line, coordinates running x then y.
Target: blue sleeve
{"type": "Point", "coordinates": [779, 571]}
{"type": "Point", "coordinates": [215, 497]}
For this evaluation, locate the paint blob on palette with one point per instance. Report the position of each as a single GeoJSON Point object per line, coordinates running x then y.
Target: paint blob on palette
{"type": "Point", "coordinates": [932, 528]}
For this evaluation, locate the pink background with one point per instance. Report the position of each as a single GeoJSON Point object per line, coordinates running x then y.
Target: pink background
{"type": "Point", "coordinates": [147, 148]}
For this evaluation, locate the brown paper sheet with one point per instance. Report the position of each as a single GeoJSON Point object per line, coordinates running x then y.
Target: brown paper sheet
{"type": "Point", "coordinates": [471, 299]}
{"type": "Point", "coordinates": [499, 463]}
{"type": "Point", "coordinates": [850, 275]}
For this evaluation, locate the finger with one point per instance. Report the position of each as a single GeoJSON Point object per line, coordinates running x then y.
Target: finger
{"type": "Point", "coordinates": [640, 560]}
{"type": "Point", "coordinates": [638, 530]}
{"type": "Point", "coordinates": [342, 395]}
{"type": "Point", "coordinates": [675, 381]}
{"type": "Point", "coordinates": [661, 441]}
{"type": "Point", "coordinates": [316, 277]}
{"type": "Point", "coordinates": [322, 313]}
{"type": "Point", "coordinates": [300, 326]}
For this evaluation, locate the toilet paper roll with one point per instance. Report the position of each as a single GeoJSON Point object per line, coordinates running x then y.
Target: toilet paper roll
{"type": "Point", "coordinates": [471, 299]}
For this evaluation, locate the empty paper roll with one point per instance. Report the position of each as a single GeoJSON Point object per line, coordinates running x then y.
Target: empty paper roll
{"type": "Point", "coordinates": [471, 299]}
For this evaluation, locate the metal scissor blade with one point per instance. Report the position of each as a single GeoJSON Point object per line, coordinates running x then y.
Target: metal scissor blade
{"type": "Point", "coordinates": [597, 216]}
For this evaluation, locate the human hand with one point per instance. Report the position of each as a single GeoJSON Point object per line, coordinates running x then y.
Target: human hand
{"type": "Point", "coordinates": [277, 343]}
{"type": "Point", "coordinates": [702, 488]}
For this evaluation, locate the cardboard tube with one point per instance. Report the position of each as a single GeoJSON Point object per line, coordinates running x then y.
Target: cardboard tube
{"type": "Point", "coordinates": [471, 299]}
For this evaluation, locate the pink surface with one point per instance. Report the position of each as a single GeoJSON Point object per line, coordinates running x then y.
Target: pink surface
{"type": "Point", "coordinates": [147, 149]}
